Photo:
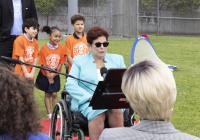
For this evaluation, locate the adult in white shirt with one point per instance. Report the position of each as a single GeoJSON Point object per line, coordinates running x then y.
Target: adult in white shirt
{"type": "Point", "coordinates": [12, 15]}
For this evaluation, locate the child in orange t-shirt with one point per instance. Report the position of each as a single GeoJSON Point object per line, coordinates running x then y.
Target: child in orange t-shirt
{"type": "Point", "coordinates": [76, 44]}
{"type": "Point", "coordinates": [52, 56]}
{"type": "Point", "coordinates": [25, 49]}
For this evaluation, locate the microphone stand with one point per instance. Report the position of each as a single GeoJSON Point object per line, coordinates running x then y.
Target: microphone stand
{"type": "Point", "coordinates": [44, 68]}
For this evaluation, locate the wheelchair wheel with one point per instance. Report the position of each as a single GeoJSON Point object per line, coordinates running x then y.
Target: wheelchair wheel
{"type": "Point", "coordinates": [79, 134]}
{"type": "Point", "coordinates": [70, 130]}
{"type": "Point", "coordinates": [59, 124]}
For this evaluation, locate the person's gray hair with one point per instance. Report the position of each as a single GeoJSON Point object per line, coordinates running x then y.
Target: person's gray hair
{"type": "Point", "coordinates": [150, 89]}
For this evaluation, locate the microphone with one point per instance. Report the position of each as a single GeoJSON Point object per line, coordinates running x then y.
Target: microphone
{"type": "Point", "coordinates": [103, 72]}
{"type": "Point", "coordinates": [44, 68]}
{"type": "Point", "coordinates": [11, 60]}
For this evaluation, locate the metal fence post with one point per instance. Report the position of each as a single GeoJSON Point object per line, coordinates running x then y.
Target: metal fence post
{"type": "Point", "coordinates": [111, 16]}
{"type": "Point", "coordinates": [158, 17]}
{"type": "Point", "coordinates": [137, 30]}
{"type": "Point", "coordinates": [93, 12]}
{"type": "Point", "coordinates": [72, 9]}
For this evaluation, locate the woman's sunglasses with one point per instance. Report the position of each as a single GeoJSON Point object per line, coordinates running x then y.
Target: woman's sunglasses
{"type": "Point", "coordinates": [98, 44]}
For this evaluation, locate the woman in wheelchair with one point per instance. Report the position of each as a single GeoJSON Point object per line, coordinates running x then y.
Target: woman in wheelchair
{"type": "Point", "coordinates": [87, 67]}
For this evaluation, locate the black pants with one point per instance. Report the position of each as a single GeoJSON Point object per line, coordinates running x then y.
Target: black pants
{"type": "Point", "coordinates": [6, 48]}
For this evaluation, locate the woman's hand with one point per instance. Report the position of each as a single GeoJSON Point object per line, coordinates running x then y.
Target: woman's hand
{"type": "Point", "coordinates": [90, 98]}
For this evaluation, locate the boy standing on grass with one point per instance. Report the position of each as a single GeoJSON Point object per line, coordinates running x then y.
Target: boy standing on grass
{"type": "Point", "coordinates": [25, 49]}
{"type": "Point", "coordinates": [76, 44]}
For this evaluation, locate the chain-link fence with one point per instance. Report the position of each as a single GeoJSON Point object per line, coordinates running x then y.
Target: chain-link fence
{"type": "Point", "coordinates": [97, 13]}
{"type": "Point", "coordinates": [127, 18]}
{"type": "Point", "coordinates": [167, 20]}
{"type": "Point", "coordinates": [117, 16]}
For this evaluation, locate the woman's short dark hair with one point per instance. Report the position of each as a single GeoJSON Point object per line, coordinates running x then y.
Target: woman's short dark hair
{"type": "Point", "coordinates": [96, 32]}
{"type": "Point", "coordinates": [19, 114]}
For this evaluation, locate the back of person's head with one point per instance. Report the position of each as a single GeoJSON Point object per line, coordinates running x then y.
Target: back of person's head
{"type": "Point", "coordinates": [31, 22]}
{"type": "Point", "coordinates": [150, 89]}
{"type": "Point", "coordinates": [77, 17]}
{"type": "Point", "coordinates": [18, 110]}
{"type": "Point", "coordinates": [95, 32]}
{"type": "Point", "coordinates": [50, 30]}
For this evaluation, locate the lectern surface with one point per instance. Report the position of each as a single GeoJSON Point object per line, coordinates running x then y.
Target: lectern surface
{"type": "Point", "coordinates": [108, 94]}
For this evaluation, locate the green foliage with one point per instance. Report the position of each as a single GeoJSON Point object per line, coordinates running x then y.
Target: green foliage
{"type": "Point", "coordinates": [182, 6]}
{"type": "Point", "coordinates": [45, 7]}
{"type": "Point", "coordinates": [92, 2]}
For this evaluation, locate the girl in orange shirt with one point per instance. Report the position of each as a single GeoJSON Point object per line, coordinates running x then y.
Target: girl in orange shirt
{"type": "Point", "coordinates": [51, 56]}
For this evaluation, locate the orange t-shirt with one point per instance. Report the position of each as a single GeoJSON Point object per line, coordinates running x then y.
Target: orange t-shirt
{"type": "Point", "coordinates": [27, 49]}
{"type": "Point", "coordinates": [76, 46]}
{"type": "Point", "coordinates": [51, 58]}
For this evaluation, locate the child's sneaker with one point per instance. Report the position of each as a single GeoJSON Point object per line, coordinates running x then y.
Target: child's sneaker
{"type": "Point", "coordinates": [49, 116]}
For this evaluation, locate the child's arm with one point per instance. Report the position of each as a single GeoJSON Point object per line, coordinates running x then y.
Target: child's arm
{"type": "Point", "coordinates": [49, 76]}
{"type": "Point", "coordinates": [33, 69]}
{"type": "Point", "coordinates": [69, 60]}
{"type": "Point", "coordinates": [58, 69]}
{"type": "Point", "coordinates": [26, 73]}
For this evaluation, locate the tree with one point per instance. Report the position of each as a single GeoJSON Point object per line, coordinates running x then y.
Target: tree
{"type": "Point", "coordinates": [47, 7]}
{"type": "Point", "coordinates": [185, 6]}
{"type": "Point", "coordinates": [182, 6]}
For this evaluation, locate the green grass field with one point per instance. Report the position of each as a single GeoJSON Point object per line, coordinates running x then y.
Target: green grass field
{"type": "Point", "coordinates": [183, 52]}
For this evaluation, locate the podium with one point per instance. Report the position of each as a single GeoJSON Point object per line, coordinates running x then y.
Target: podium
{"type": "Point", "coordinates": [108, 94]}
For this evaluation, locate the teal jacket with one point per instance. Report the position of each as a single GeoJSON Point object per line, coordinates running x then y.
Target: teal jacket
{"type": "Point", "coordinates": [84, 68]}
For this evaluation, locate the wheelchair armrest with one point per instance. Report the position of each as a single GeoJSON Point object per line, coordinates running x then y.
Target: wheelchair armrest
{"type": "Point", "coordinates": [64, 94]}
